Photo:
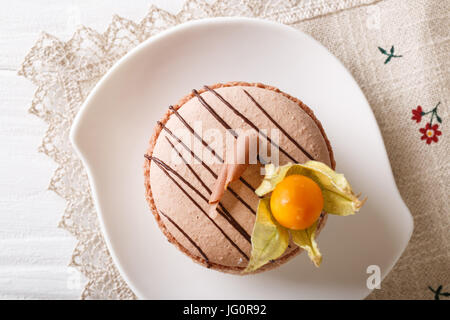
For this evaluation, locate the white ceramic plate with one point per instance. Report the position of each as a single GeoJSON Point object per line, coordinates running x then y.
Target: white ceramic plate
{"type": "Point", "coordinates": [112, 130]}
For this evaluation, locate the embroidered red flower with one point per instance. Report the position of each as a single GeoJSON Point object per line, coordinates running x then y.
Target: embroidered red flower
{"type": "Point", "coordinates": [417, 114]}
{"type": "Point", "coordinates": [430, 133]}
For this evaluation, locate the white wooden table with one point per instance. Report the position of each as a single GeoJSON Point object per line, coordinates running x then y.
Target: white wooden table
{"type": "Point", "coordinates": [34, 252]}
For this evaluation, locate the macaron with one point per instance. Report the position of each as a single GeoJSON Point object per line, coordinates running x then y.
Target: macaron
{"type": "Point", "coordinates": [188, 148]}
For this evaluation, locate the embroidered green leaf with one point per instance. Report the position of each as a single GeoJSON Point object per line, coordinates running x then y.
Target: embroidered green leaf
{"type": "Point", "coordinates": [337, 193]}
{"type": "Point", "coordinates": [388, 59]}
{"type": "Point", "coordinates": [382, 50]}
{"type": "Point", "coordinates": [269, 239]}
{"type": "Point", "coordinates": [438, 292]}
{"type": "Point", "coordinates": [438, 119]}
{"type": "Point", "coordinates": [389, 55]}
{"type": "Point", "coordinates": [306, 240]}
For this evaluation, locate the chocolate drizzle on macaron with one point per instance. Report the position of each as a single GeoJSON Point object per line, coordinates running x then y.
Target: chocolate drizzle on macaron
{"type": "Point", "coordinates": [240, 219]}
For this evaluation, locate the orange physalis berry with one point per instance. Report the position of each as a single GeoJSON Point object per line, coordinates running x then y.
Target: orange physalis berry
{"type": "Point", "coordinates": [296, 202]}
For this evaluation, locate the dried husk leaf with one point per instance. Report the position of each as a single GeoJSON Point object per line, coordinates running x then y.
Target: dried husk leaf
{"type": "Point", "coordinates": [269, 238]}
{"type": "Point", "coordinates": [305, 239]}
{"type": "Point", "coordinates": [338, 195]}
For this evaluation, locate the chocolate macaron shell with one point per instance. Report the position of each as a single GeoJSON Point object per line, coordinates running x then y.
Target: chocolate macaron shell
{"type": "Point", "coordinates": [178, 183]}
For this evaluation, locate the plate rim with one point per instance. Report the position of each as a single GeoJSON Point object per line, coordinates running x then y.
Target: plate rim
{"type": "Point", "coordinates": [75, 130]}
